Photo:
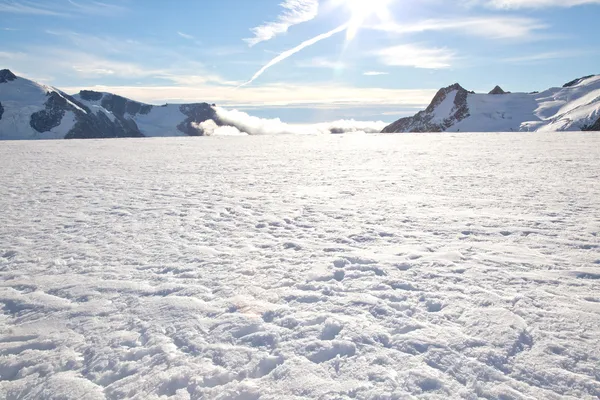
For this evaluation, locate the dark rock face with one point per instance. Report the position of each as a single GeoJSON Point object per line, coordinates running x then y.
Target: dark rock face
{"type": "Point", "coordinates": [422, 121]}
{"type": "Point", "coordinates": [593, 127]}
{"type": "Point", "coordinates": [45, 120]}
{"type": "Point", "coordinates": [1, 111]}
{"type": "Point", "coordinates": [120, 105]}
{"type": "Point", "coordinates": [99, 126]}
{"type": "Point", "coordinates": [196, 113]}
{"type": "Point", "coordinates": [497, 90]}
{"type": "Point", "coordinates": [576, 81]}
{"type": "Point", "coordinates": [7, 76]}
{"type": "Point", "coordinates": [90, 95]}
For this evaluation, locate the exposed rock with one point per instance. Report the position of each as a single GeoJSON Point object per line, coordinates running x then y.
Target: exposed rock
{"type": "Point", "coordinates": [51, 116]}
{"type": "Point", "coordinates": [1, 111]}
{"type": "Point", "coordinates": [497, 90]}
{"type": "Point", "coordinates": [7, 76]}
{"type": "Point", "coordinates": [99, 126]}
{"type": "Point", "coordinates": [423, 121]}
{"type": "Point", "coordinates": [90, 95]}
{"type": "Point", "coordinates": [197, 113]}
{"type": "Point", "coordinates": [576, 81]}
{"type": "Point", "coordinates": [593, 127]}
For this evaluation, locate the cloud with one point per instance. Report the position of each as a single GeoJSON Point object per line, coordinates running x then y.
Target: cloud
{"type": "Point", "coordinates": [374, 73]}
{"type": "Point", "coordinates": [31, 8]}
{"type": "Point", "coordinates": [321, 62]}
{"type": "Point", "coordinates": [57, 10]}
{"type": "Point", "coordinates": [264, 126]}
{"type": "Point", "coordinates": [410, 55]}
{"type": "Point", "coordinates": [210, 128]}
{"type": "Point", "coordinates": [540, 57]}
{"type": "Point", "coordinates": [186, 36]}
{"type": "Point", "coordinates": [489, 27]}
{"type": "Point", "coordinates": [96, 8]}
{"type": "Point", "coordinates": [516, 4]}
{"type": "Point", "coordinates": [314, 96]}
{"type": "Point", "coordinates": [296, 12]}
{"type": "Point", "coordinates": [291, 52]}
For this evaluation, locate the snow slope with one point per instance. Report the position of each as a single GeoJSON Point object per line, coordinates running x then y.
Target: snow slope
{"type": "Point", "coordinates": [570, 108]}
{"type": "Point", "coordinates": [452, 266]}
{"type": "Point", "coordinates": [20, 98]}
{"type": "Point", "coordinates": [33, 111]}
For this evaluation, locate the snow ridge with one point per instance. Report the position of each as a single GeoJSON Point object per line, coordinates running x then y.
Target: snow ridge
{"type": "Point", "coordinates": [573, 107]}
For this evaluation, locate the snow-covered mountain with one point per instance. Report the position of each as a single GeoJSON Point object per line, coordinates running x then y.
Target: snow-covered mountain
{"type": "Point", "coordinates": [29, 110]}
{"type": "Point", "coordinates": [573, 107]}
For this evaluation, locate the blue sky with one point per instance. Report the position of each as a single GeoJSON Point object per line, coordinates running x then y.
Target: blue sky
{"type": "Point", "coordinates": [380, 59]}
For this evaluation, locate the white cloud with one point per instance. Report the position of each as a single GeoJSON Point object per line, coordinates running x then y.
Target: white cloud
{"type": "Point", "coordinates": [374, 73]}
{"type": "Point", "coordinates": [264, 126]}
{"type": "Point", "coordinates": [31, 8]}
{"type": "Point", "coordinates": [296, 12]}
{"type": "Point", "coordinates": [274, 95]}
{"type": "Point", "coordinates": [186, 36]}
{"type": "Point", "coordinates": [291, 52]}
{"type": "Point", "coordinates": [320, 62]}
{"type": "Point", "coordinates": [56, 9]}
{"type": "Point", "coordinates": [489, 27]}
{"type": "Point", "coordinates": [540, 57]}
{"type": "Point", "coordinates": [96, 8]}
{"type": "Point", "coordinates": [210, 128]}
{"type": "Point", "coordinates": [410, 55]}
{"type": "Point", "coordinates": [515, 4]}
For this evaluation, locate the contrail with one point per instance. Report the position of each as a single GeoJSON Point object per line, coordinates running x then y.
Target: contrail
{"type": "Point", "coordinates": [296, 49]}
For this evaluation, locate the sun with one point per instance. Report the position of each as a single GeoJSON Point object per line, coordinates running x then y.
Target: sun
{"type": "Point", "coordinates": [363, 10]}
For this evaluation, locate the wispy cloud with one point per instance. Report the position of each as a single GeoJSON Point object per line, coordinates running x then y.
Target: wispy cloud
{"type": "Point", "coordinates": [317, 95]}
{"type": "Point", "coordinates": [511, 27]}
{"type": "Point", "coordinates": [541, 57]}
{"type": "Point", "coordinates": [320, 62]}
{"type": "Point", "coordinates": [516, 4]}
{"type": "Point", "coordinates": [29, 7]}
{"type": "Point", "coordinates": [296, 12]}
{"type": "Point", "coordinates": [291, 52]}
{"type": "Point", "coordinates": [412, 55]}
{"type": "Point", "coordinates": [374, 73]}
{"type": "Point", "coordinates": [69, 8]}
{"type": "Point", "coordinates": [96, 8]}
{"type": "Point", "coordinates": [186, 36]}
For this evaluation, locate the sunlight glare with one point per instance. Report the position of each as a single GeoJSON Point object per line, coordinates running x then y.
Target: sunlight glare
{"type": "Point", "coordinates": [362, 10]}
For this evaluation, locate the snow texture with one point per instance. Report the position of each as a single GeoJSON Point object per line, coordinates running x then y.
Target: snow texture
{"type": "Point", "coordinates": [426, 266]}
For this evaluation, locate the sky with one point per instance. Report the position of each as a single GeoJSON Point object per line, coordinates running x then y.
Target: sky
{"type": "Point", "coordinates": [300, 60]}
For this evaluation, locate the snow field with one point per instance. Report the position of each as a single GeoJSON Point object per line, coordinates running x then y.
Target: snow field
{"type": "Point", "coordinates": [425, 266]}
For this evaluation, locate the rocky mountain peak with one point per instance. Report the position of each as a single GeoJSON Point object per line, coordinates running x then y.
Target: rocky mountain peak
{"type": "Point", "coordinates": [577, 81]}
{"type": "Point", "coordinates": [440, 96]}
{"type": "Point", "coordinates": [428, 120]}
{"type": "Point", "coordinates": [6, 76]}
{"type": "Point", "coordinates": [497, 90]}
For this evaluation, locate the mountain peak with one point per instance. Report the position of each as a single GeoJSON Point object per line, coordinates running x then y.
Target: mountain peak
{"type": "Point", "coordinates": [497, 90]}
{"type": "Point", "coordinates": [577, 81]}
{"type": "Point", "coordinates": [6, 76]}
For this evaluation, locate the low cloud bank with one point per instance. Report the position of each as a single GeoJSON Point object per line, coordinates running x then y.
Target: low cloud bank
{"type": "Point", "coordinates": [247, 124]}
{"type": "Point", "coordinates": [210, 128]}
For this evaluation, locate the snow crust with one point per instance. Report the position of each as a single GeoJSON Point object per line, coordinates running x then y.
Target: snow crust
{"type": "Point", "coordinates": [428, 266]}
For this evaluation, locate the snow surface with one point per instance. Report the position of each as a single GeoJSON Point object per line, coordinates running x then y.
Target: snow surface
{"type": "Point", "coordinates": [429, 266]}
